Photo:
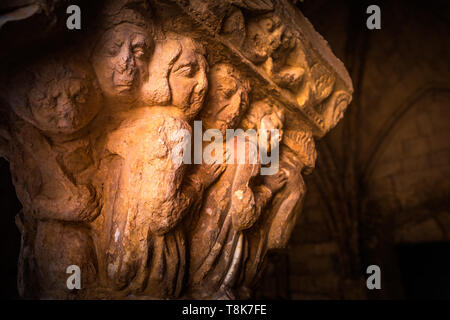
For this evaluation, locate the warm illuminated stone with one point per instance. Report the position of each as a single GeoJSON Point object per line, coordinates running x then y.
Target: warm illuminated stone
{"type": "Point", "coordinates": [94, 133]}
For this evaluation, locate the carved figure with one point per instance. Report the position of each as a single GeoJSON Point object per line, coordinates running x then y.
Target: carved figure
{"type": "Point", "coordinates": [97, 135]}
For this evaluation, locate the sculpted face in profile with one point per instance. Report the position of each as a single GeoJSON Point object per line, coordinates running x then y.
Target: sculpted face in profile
{"type": "Point", "coordinates": [187, 78]}
{"type": "Point", "coordinates": [121, 59]}
{"type": "Point", "coordinates": [177, 76]}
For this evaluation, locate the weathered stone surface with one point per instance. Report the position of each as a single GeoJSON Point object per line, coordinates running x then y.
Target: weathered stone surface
{"type": "Point", "coordinates": [95, 132]}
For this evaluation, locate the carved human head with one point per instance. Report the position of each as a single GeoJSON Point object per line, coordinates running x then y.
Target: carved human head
{"type": "Point", "coordinates": [187, 78]}
{"type": "Point", "coordinates": [58, 96]}
{"type": "Point", "coordinates": [177, 75]}
{"type": "Point", "coordinates": [264, 116]}
{"type": "Point", "coordinates": [227, 98]}
{"type": "Point", "coordinates": [120, 58]}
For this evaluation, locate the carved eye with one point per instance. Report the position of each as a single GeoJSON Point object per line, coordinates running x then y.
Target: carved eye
{"type": "Point", "coordinates": [138, 52]}
{"type": "Point", "coordinates": [187, 70]}
{"type": "Point", "coordinates": [268, 25]}
{"type": "Point", "coordinates": [227, 92]}
{"type": "Point", "coordinates": [52, 101]}
{"type": "Point", "coordinates": [113, 50]}
{"type": "Point", "coordinates": [80, 97]}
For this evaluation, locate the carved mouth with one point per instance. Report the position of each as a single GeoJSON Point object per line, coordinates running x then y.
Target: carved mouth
{"type": "Point", "coordinates": [123, 87]}
{"type": "Point", "coordinates": [124, 83]}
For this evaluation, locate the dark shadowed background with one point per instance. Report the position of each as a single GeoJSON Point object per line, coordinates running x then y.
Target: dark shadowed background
{"type": "Point", "coordinates": [380, 193]}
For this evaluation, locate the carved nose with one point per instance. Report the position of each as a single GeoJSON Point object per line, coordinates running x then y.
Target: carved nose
{"type": "Point", "coordinates": [126, 61]}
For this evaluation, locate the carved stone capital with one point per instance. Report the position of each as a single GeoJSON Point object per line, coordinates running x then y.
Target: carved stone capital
{"type": "Point", "coordinates": [121, 152]}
